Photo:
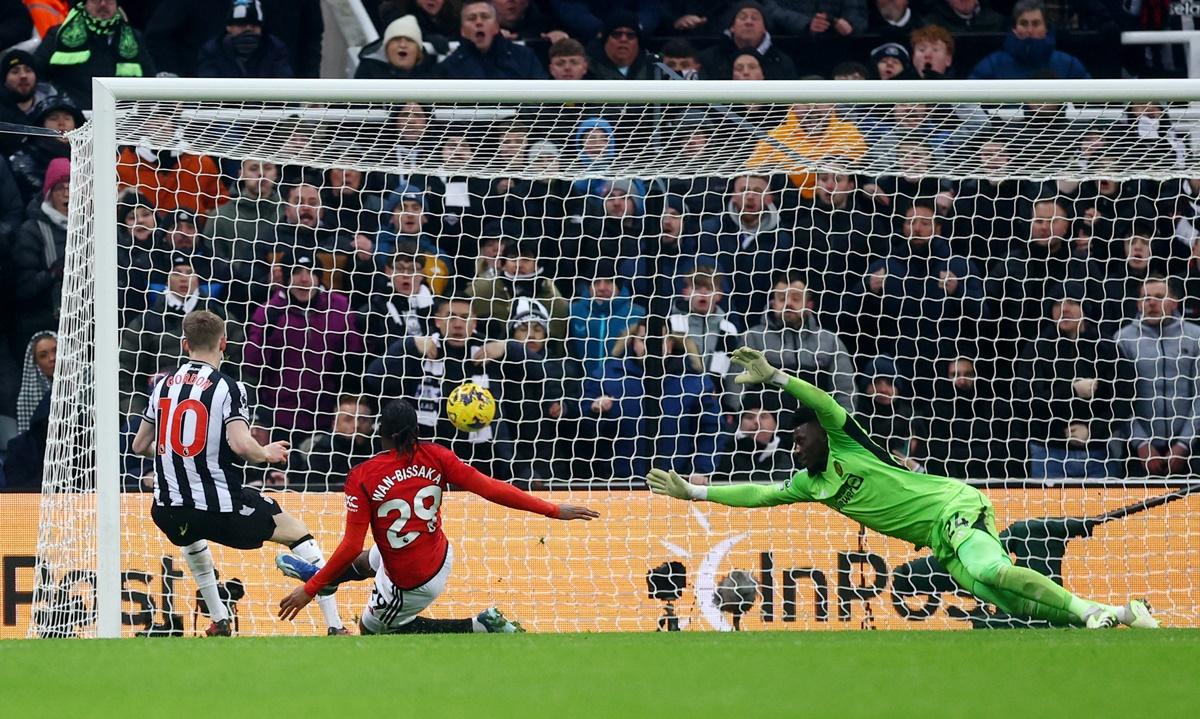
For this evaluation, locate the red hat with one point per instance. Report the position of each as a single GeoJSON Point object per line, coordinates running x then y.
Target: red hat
{"type": "Point", "coordinates": [59, 170]}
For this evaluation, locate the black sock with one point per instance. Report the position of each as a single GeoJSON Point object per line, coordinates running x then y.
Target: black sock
{"type": "Point", "coordinates": [353, 575]}
{"type": "Point", "coordinates": [421, 625]}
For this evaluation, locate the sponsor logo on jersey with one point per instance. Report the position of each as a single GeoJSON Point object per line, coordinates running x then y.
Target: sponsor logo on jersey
{"type": "Point", "coordinates": [849, 489]}
{"type": "Point", "coordinates": [351, 503]}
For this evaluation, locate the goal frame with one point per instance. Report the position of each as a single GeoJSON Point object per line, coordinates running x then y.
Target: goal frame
{"type": "Point", "coordinates": [107, 92]}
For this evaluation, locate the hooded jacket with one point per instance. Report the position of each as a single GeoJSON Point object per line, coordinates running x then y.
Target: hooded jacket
{"type": "Point", "coordinates": [596, 324]}
{"type": "Point", "coordinates": [299, 352]}
{"type": "Point", "coordinates": [1021, 59]}
{"type": "Point", "coordinates": [373, 65]}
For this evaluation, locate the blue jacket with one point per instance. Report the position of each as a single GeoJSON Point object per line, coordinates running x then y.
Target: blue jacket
{"type": "Point", "coordinates": [505, 60]}
{"type": "Point", "coordinates": [596, 325]}
{"type": "Point", "coordinates": [620, 378]}
{"type": "Point", "coordinates": [217, 59]}
{"type": "Point", "coordinates": [1020, 59]}
{"type": "Point", "coordinates": [690, 422]}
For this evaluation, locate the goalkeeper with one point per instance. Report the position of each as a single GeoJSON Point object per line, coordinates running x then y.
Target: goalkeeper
{"type": "Point", "coordinates": [847, 472]}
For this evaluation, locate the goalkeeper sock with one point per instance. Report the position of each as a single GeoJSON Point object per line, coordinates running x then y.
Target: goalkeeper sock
{"type": "Point", "coordinates": [306, 548]}
{"type": "Point", "coordinates": [200, 561]}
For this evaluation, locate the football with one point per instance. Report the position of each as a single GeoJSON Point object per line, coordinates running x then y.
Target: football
{"type": "Point", "coordinates": [470, 407]}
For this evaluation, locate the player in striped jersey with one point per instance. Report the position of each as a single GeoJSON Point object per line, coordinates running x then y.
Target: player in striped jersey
{"type": "Point", "coordinates": [196, 426]}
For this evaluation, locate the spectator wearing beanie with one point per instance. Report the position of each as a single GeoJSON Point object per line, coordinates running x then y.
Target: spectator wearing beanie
{"type": "Point", "coordinates": [618, 53]}
{"type": "Point", "coordinates": [31, 159]}
{"type": "Point", "coordinates": [585, 19]}
{"type": "Point", "coordinates": [244, 50]}
{"type": "Point", "coordinates": [91, 45]}
{"type": "Point", "coordinates": [20, 95]}
{"type": "Point", "coordinates": [891, 62]}
{"type": "Point", "coordinates": [485, 54]}
{"type": "Point", "coordinates": [398, 55]}
{"type": "Point", "coordinates": [38, 255]}
{"type": "Point", "coordinates": [746, 30]}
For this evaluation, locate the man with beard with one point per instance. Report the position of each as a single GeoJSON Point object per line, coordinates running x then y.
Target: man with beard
{"type": "Point", "coordinates": [20, 96]}
{"type": "Point", "coordinates": [522, 276]}
{"type": "Point", "coordinates": [924, 303]}
{"type": "Point", "coordinates": [790, 338]}
{"type": "Point", "coordinates": [1067, 374]}
{"type": "Point", "coordinates": [351, 441]}
{"type": "Point", "coordinates": [748, 242]}
{"type": "Point", "coordinates": [94, 41]}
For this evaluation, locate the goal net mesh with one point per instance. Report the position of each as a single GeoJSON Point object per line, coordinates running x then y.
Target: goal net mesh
{"type": "Point", "coordinates": [978, 284]}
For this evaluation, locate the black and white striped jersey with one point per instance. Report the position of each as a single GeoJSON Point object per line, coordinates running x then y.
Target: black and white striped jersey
{"type": "Point", "coordinates": [194, 464]}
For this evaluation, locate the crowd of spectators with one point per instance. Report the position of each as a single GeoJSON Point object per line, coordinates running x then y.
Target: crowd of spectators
{"type": "Point", "coordinates": [989, 328]}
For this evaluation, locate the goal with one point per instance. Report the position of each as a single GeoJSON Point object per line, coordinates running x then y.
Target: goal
{"type": "Point", "coordinates": [999, 278]}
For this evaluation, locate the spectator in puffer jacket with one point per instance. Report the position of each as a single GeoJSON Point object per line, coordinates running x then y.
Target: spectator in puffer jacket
{"type": "Point", "coordinates": [614, 417]}
{"type": "Point", "coordinates": [1159, 371]}
{"type": "Point", "coordinates": [1029, 50]}
{"type": "Point", "coordinates": [296, 344]}
{"type": "Point", "coordinates": [39, 253]}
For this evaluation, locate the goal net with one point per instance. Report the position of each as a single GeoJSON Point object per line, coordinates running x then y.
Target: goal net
{"type": "Point", "coordinates": [1003, 293]}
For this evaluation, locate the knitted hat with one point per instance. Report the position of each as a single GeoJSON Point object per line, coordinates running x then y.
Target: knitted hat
{"type": "Point", "coordinates": [891, 49]}
{"type": "Point", "coordinates": [621, 18]}
{"type": "Point", "coordinates": [245, 12]}
{"type": "Point", "coordinates": [59, 170]}
{"type": "Point", "coordinates": [405, 26]}
{"type": "Point", "coordinates": [526, 310]}
{"type": "Point", "coordinates": [13, 58]}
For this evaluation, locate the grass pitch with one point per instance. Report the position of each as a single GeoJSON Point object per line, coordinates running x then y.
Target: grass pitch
{"type": "Point", "coordinates": [1016, 674]}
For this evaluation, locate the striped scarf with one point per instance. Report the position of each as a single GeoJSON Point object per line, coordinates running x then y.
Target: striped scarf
{"type": "Point", "coordinates": [34, 384]}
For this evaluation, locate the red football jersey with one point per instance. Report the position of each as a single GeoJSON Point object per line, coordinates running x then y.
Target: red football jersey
{"type": "Point", "coordinates": [400, 497]}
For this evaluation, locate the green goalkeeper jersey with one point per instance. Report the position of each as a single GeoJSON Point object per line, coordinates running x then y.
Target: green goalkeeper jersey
{"type": "Point", "coordinates": [861, 480]}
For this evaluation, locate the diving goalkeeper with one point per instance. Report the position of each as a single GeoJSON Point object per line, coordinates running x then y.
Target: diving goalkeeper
{"type": "Point", "coordinates": [847, 472]}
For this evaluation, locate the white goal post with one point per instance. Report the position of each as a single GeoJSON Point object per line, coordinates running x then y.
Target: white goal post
{"type": "Point", "coordinates": [94, 225]}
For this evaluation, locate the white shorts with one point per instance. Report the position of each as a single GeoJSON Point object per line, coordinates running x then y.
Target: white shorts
{"type": "Point", "coordinates": [390, 608]}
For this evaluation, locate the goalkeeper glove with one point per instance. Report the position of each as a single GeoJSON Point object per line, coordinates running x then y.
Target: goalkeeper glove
{"type": "Point", "coordinates": [667, 482]}
{"type": "Point", "coordinates": [756, 368]}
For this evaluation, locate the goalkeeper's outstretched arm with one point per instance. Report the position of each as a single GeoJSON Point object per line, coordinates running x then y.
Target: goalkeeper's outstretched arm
{"type": "Point", "coordinates": [757, 370]}
{"type": "Point", "coordinates": [670, 484]}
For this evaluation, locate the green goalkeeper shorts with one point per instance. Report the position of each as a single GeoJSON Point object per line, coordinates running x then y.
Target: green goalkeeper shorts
{"type": "Point", "coordinates": [968, 511]}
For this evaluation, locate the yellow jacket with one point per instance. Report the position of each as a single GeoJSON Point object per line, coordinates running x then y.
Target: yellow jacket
{"type": "Point", "coordinates": [839, 139]}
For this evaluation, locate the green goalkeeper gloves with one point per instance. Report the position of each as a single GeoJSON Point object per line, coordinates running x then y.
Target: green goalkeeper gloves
{"type": "Point", "coordinates": [756, 368]}
{"type": "Point", "coordinates": [667, 482]}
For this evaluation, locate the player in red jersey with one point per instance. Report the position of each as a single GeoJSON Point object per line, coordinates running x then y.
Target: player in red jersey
{"type": "Point", "coordinates": [398, 495]}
